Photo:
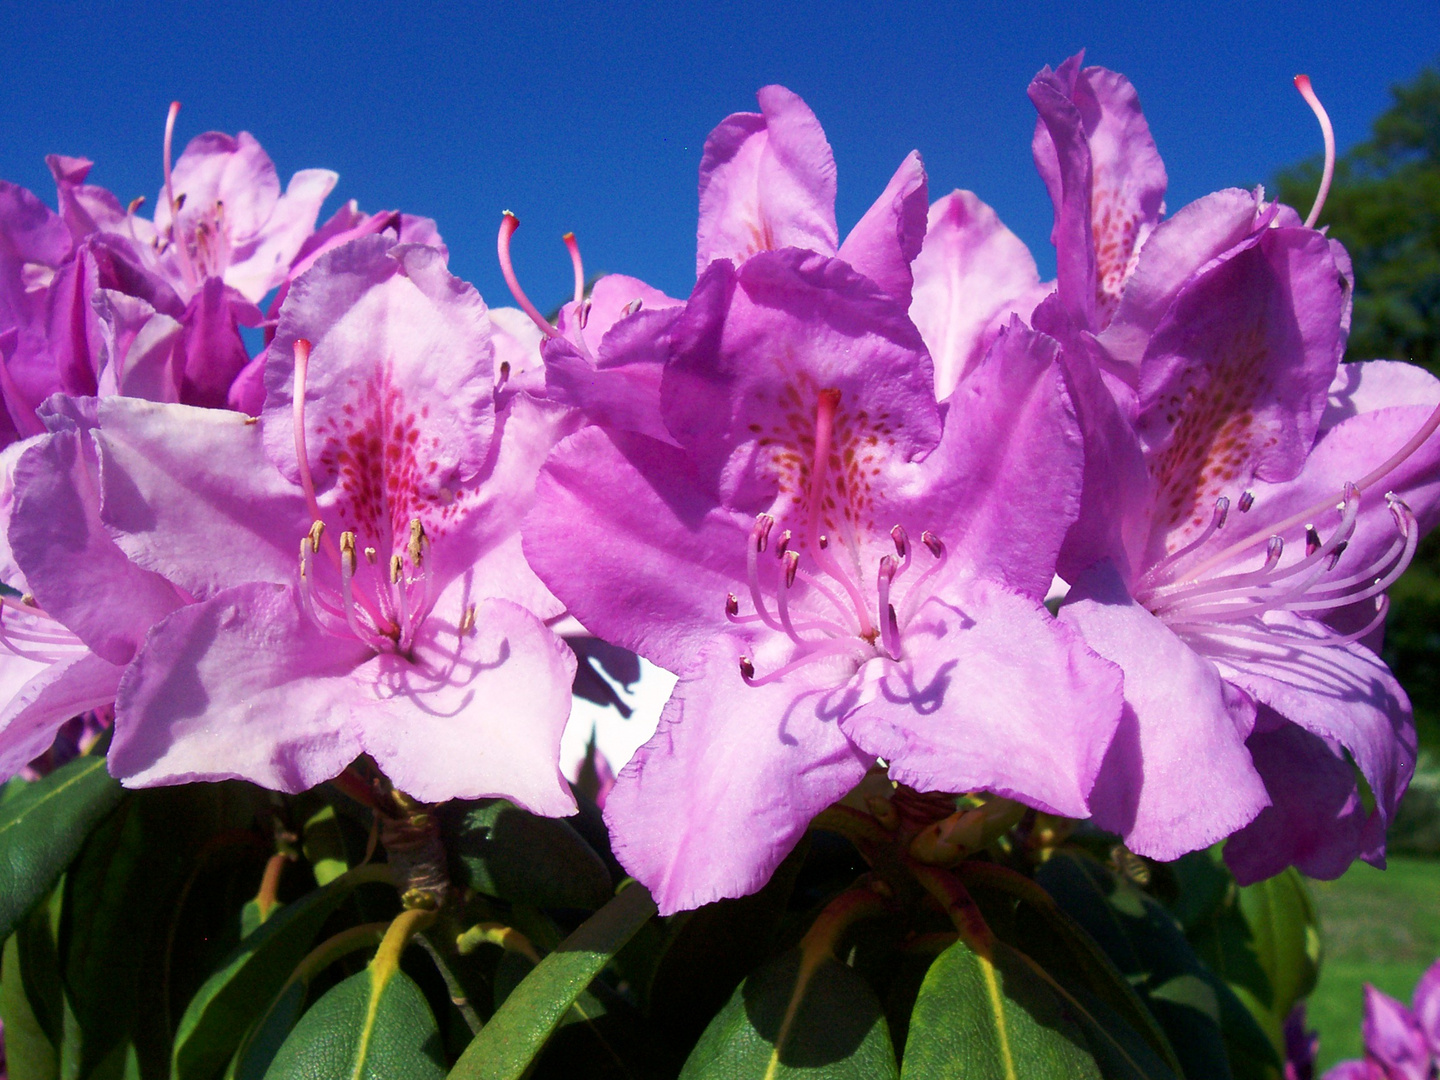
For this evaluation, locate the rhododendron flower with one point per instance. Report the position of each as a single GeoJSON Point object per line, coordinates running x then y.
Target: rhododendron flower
{"type": "Point", "coordinates": [409, 626]}
{"type": "Point", "coordinates": [1200, 369]}
{"type": "Point", "coordinates": [834, 572]}
{"type": "Point", "coordinates": [1400, 1043]}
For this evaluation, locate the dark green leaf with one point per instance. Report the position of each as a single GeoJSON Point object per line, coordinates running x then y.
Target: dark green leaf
{"type": "Point", "coordinates": [830, 1026]}
{"type": "Point", "coordinates": [519, 1029]}
{"type": "Point", "coordinates": [29, 1052]}
{"type": "Point", "coordinates": [375, 1025]}
{"type": "Point", "coordinates": [985, 1019]}
{"type": "Point", "coordinates": [236, 995]}
{"type": "Point", "coordinates": [500, 850]}
{"type": "Point", "coordinates": [42, 827]}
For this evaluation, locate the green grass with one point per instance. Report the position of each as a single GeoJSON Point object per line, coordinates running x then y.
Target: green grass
{"type": "Point", "coordinates": [1381, 927]}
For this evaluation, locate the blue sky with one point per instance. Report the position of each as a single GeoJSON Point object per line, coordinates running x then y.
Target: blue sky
{"type": "Point", "coordinates": [592, 116]}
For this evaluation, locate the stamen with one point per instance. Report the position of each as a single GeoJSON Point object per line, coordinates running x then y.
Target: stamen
{"type": "Point", "coordinates": [370, 555]}
{"type": "Point", "coordinates": [902, 542]}
{"type": "Point", "coordinates": [504, 376]}
{"type": "Point", "coordinates": [932, 542]}
{"type": "Point", "coordinates": [915, 595]}
{"type": "Point", "coordinates": [791, 561]}
{"type": "Point", "coordinates": [302, 457]}
{"type": "Point", "coordinates": [1335, 555]}
{"type": "Point", "coordinates": [1247, 500]}
{"type": "Point", "coordinates": [135, 205]}
{"type": "Point", "coordinates": [889, 637]}
{"type": "Point", "coordinates": [732, 606]}
{"type": "Point", "coordinates": [788, 565]}
{"type": "Point", "coordinates": [508, 224]}
{"type": "Point", "coordinates": [633, 306]}
{"type": "Point", "coordinates": [317, 530]}
{"type": "Point", "coordinates": [467, 620]}
{"type": "Point", "coordinates": [759, 535]}
{"type": "Point", "coordinates": [824, 541]}
{"type": "Point", "coordinates": [1217, 520]}
{"type": "Point", "coordinates": [395, 564]}
{"type": "Point", "coordinates": [347, 587]}
{"type": "Point", "coordinates": [747, 669]}
{"type": "Point", "coordinates": [1302, 83]}
{"type": "Point", "coordinates": [573, 247]}
{"type": "Point", "coordinates": [784, 544]}
{"type": "Point", "coordinates": [1312, 540]}
{"type": "Point", "coordinates": [845, 647]}
{"type": "Point", "coordinates": [417, 542]}
{"type": "Point", "coordinates": [169, 139]}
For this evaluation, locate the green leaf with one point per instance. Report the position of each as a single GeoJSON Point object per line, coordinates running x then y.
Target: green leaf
{"type": "Point", "coordinates": [29, 1053]}
{"type": "Point", "coordinates": [42, 827]}
{"type": "Point", "coordinates": [992, 1018]}
{"type": "Point", "coordinates": [828, 1025]}
{"type": "Point", "coordinates": [502, 851]}
{"type": "Point", "coordinates": [1286, 935]}
{"type": "Point", "coordinates": [241, 989]}
{"type": "Point", "coordinates": [375, 1025]}
{"type": "Point", "coordinates": [324, 845]}
{"type": "Point", "coordinates": [519, 1029]}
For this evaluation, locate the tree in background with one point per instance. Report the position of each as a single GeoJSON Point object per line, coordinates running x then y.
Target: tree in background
{"type": "Point", "coordinates": [1384, 206]}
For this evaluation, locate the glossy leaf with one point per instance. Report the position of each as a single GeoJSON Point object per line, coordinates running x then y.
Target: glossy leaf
{"type": "Point", "coordinates": [1286, 936]}
{"type": "Point", "coordinates": [242, 988]}
{"type": "Point", "coordinates": [42, 827]}
{"type": "Point", "coordinates": [829, 1026]}
{"type": "Point", "coordinates": [982, 1017]}
{"type": "Point", "coordinates": [376, 1025]}
{"type": "Point", "coordinates": [502, 851]}
{"type": "Point", "coordinates": [516, 1034]}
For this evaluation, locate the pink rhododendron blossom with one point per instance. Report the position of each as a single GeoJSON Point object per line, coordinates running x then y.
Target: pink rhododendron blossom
{"type": "Point", "coordinates": [409, 627]}
{"type": "Point", "coordinates": [816, 548]}
{"type": "Point", "coordinates": [1245, 505]}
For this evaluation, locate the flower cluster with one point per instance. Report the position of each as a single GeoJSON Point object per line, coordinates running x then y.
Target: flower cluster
{"type": "Point", "coordinates": [1400, 1043]}
{"type": "Point", "coordinates": [831, 491]}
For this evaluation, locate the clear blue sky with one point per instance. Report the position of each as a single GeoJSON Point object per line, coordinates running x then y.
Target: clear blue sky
{"type": "Point", "coordinates": [592, 116]}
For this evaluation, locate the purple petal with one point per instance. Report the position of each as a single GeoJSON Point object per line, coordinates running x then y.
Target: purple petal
{"type": "Point", "coordinates": [477, 715]}
{"type": "Point", "coordinates": [1176, 250]}
{"type": "Point", "coordinates": [1177, 777]}
{"type": "Point", "coordinates": [401, 351]}
{"type": "Point", "coordinates": [721, 793]}
{"type": "Point", "coordinates": [1345, 694]}
{"type": "Point", "coordinates": [1315, 820]}
{"type": "Point", "coordinates": [264, 259]}
{"type": "Point", "coordinates": [1393, 1038]}
{"type": "Point", "coordinates": [214, 351]}
{"type": "Point", "coordinates": [970, 274]}
{"type": "Point", "coordinates": [76, 571]}
{"type": "Point", "coordinates": [990, 694]}
{"type": "Point", "coordinates": [1235, 379]}
{"type": "Point", "coordinates": [886, 240]}
{"type": "Point", "coordinates": [1003, 486]}
{"type": "Point", "coordinates": [143, 355]}
{"type": "Point", "coordinates": [752, 353]}
{"type": "Point", "coordinates": [51, 695]}
{"type": "Point", "coordinates": [240, 686]}
{"type": "Point", "coordinates": [767, 181]}
{"type": "Point", "coordinates": [190, 494]}
{"type": "Point", "coordinates": [627, 538]}
{"type": "Point", "coordinates": [1427, 1006]}
{"type": "Point", "coordinates": [86, 208]}
{"type": "Point", "coordinates": [1367, 385]}
{"type": "Point", "coordinates": [1355, 1070]}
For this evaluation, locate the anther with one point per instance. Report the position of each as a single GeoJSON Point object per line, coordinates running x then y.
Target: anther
{"type": "Point", "coordinates": [136, 203]}
{"type": "Point", "coordinates": [1313, 542]}
{"type": "Point", "coordinates": [760, 534]}
{"type": "Point", "coordinates": [180, 202]}
{"type": "Point", "coordinates": [732, 605]}
{"type": "Point", "coordinates": [633, 306]}
{"type": "Point", "coordinates": [823, 541]}
{"type": "Point", "coordinates": [887, 568]}
{"type": "Point", "coordinates": [347, 552]}
{"type": "Point", "coordinates": [317, 530]}
{"type": "Point", "coordinates": [1247, 500]}
{"type": "Point", "coordinates": [28, 599]}
{"type": "Point", "coordinates": [1222, 511]}
{"type": "Point", "coordinates": [1335, 555]}
{"type": "Point", "coordinates": [395, 567]}
{"type": "Point", "coordinates": [508, 224]}
{"type": "Point", "coordinates": [783, 544]}
{"type": "Point", "coordinates": [1400, 512]}
{"type": "Point", "coordinates": [370, 555]}
{"type": "Point", "coordinates": [417, 542]}
{"type": "Point", "coordinates": [902, 541]}
{"type": "Point", "coordinates": [467, 620]}
{"type": "Point", "coordinates": [747, 669]}
{"type": "Point", "coordinates": [504, 374]}
{"type": "Point", "coordinates": [931, 541]}
{"type": "Point", "coordinates": [792, 566]}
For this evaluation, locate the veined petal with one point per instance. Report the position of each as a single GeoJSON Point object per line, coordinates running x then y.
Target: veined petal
{"type": "Point", "coordinates": [240, 686]}
{"type": "Point", "coordinates": [474, 714]}
{"type": "Point", "coordinates": [263, 263]}
{"type": "Point", "coordinates": [886, 240]}
{"type": "Point", "coordinates": [990, 694]}
{"type": "Point", "coordinates": [52, 694]}
{"type": "Point", "coordinates": [1177, 777]}
{"type": "Point", "coordinates": [1315, 820]}
{"type": "Point", "coordinates": [721, 793]}
{"type": "Point", "coordinates": [767, 181]}
{"type": "Point", "coordinates": [971, 272]}
{"type": "Point", "coordinates": [189, 493]}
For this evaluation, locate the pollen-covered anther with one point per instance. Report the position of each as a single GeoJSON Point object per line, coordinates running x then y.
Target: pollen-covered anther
{"type": "Point", "coordinates": [28, 599]}
{"type": "Point", "coordinates": [347, 552]}
{"type": "Point", "coordinates": [417, 542]}
{"type": "Point", "coordinates": [371, 555]}
{"type": "Point", "coordinates": [792, 567]}
{"type": "Point", "coordinates": [396, 566]}
{"type": "Point", "coordinates": [317, 530]}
